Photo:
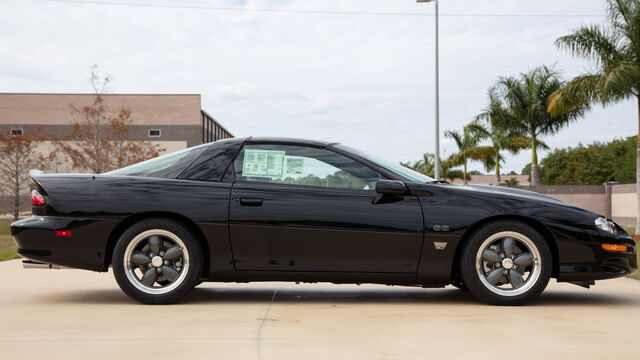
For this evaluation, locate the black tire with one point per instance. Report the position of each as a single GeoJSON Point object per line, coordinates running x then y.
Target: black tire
{"type": "Point", "coordinates": [480, 285]}
{"type": "Point", "coordinates": [192, 252]}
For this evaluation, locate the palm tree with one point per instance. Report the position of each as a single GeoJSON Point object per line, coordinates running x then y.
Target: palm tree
{"type": "Point", "coordinates": [527, 99]}
{"type": "Point", "coordinates": [614, 49]}
{"type": "Point", "coordinates": [424, 166]}
{"type": "Point", "coordinates": [467, 142]}
{"type": "Point", "coordinates": [512, 181]}
{"type": "Point", "coordinates": [494, 124]}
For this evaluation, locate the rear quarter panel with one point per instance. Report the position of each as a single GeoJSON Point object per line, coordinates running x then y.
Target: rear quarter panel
{"type": "Point", "coordinates": [110, 200]}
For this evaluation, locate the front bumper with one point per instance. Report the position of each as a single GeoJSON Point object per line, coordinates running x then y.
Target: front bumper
{"type": "Point", "coordinates": [85, 249]}
{"type": "Point", "coordinates": [585, 259]}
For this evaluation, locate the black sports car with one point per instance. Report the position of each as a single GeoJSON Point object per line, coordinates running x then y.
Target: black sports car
{"type": "Point", "coordinates": [272, 209]}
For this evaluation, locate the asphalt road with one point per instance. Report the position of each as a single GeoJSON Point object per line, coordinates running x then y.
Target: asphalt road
{"type": "Point", "coordinates": [73, 314]}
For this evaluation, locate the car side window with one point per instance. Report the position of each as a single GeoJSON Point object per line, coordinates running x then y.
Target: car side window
{"type": "Point", "coordinates": [301, 165]}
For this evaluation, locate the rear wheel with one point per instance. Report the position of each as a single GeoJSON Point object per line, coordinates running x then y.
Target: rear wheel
{"type": "Point", "coordinates": [506, 263]}
{"type": "Point", "coordinates": [157, 261]}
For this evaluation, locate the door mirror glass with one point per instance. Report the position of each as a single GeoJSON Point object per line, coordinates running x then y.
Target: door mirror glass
{"type": "Point", "coordinates": [394, 187]}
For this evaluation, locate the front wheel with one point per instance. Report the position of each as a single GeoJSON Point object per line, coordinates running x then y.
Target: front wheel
{"type": "Point", "coordinates": [506, 263]}
{"type": "Point", "coordinates": [157, 261]}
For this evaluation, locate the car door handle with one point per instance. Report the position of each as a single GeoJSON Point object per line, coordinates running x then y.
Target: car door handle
{"type": "Point", "coordinates": [251, 201]}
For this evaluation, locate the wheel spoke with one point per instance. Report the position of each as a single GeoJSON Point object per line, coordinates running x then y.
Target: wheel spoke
{"type": "Point", "coordinates": [173, 253]}
{"type": "Point", "coordinates": [491, 256]}
{"type": "Point", "coordinates": [149, 277]}
{"type": "Point", "coordinates": [140, 259]}
{"type": "Point", "coordinates": [155, 244]}
{"type": "Point", "coordinates": [494, 276]}
{"type": "Point", "coordinates": [515, 278]}
{"type": "Point", "coordinates": [508, 245]}
{"type": "Point", "coordinates": [525, 259]}
{"type": "Point", "coordinates": [170, 273]}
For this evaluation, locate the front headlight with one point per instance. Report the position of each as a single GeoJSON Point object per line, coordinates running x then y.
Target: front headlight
{"type": "Point", "coordinates": [606, 225]}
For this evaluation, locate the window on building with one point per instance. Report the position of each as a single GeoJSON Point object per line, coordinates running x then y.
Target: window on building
{"type": "Point", "coordinates": [155, 133]}
{"type": "Point", "coordinates": [16, 132]}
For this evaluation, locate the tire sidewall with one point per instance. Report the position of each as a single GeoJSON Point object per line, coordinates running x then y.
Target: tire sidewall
{"type": "Point", "coordinates": [193, 271]}
{"type": "Point", "coordinates": [471, 277]}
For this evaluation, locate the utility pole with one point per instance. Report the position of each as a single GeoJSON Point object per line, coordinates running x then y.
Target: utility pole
{"type": "Point", "coordinates": [437, 107]}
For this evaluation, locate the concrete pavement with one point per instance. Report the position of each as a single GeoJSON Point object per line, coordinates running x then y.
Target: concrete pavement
{"type": "Point", "coordinates": [74, 314]}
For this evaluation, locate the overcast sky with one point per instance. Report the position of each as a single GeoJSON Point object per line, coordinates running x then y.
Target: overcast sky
{"type": "Point", "coordinates": [364, 80]}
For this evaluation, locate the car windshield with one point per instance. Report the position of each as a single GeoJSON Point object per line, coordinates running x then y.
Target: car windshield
{"type": "Point", "coordinates": [165, 166]}
{"type": "Point", "coordinates": [395, 168]}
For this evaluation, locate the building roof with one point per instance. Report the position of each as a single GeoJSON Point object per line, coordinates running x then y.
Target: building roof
{"type": "Point", "coordinates": [56, 109]}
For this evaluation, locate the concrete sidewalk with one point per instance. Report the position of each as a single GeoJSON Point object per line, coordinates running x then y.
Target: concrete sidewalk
{"type": "Point", "coordinates": [74, 314]}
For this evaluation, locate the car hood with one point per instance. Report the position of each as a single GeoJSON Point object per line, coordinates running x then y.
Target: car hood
{"type": "Point", "coordinates": [489, 191]}
{"type": "Point", "coordinates": [515, 192]}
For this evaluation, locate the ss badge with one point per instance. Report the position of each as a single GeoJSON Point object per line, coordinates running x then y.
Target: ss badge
{"type": "Point", "coordinates": [440, 227]}
{"type": "Point", "coordinates": [440, 245]}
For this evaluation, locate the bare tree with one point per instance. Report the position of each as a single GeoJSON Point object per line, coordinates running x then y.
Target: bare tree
{"type": "Point", "coordinates": [17, 157]}
{"type": "Point", "coordinates": [98, 140]}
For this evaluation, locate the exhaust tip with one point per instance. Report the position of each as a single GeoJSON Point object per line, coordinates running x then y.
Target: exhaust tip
{"type": "Point", "coordinates": [30, 264]}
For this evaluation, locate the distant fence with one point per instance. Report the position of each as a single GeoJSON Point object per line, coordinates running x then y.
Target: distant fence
{"type": "Point", "coordinates": [616, 201]}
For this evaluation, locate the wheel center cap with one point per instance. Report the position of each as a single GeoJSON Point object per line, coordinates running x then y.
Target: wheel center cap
{"type": "Point", "coordinates": [156, 261]}
{"type": "Point", "coordinates": [507, 263]}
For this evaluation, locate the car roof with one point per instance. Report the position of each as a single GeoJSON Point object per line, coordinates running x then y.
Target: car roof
{"type": "Point", "coordinates": [285, 140]}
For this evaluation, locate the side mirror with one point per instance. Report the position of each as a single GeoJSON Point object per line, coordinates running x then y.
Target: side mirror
{"type": "Point", "coordinates": [391, 187]}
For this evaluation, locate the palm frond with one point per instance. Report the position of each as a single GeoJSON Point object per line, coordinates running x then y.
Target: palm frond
{"type": "Point", "coordinates": [591, 42]}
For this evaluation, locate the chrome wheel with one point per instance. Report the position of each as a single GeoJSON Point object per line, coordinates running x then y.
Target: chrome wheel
{"type": "Point", "coordinates": [508, 263]}
{"type": "Point", "coordinates": [156, 261]}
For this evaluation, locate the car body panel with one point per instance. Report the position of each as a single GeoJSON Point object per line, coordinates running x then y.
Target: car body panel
{"type": "Point", "coordinates": [298, 228]}
{"type": "Point", "coordinates": [303, 233]}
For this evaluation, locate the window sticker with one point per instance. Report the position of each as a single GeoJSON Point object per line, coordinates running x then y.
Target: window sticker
{"type": "Point", "coordinates": [263, 163]}
{"type": "Point", "coordinates": [295, 165]}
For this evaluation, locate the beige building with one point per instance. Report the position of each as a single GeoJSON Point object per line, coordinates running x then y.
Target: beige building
{"type": "Point", "coordinates": [174, 121]}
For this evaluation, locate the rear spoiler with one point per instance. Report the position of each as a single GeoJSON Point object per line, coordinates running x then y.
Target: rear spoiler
{"type": "Point", "coordinates": [33, 173]}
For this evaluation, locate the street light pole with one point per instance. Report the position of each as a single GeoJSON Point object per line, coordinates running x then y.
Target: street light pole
{"type": "Point", "coordinates": [437, 157]}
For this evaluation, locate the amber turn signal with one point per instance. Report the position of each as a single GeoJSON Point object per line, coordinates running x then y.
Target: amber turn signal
{"type": "Point", "coordinates": [615, 247]}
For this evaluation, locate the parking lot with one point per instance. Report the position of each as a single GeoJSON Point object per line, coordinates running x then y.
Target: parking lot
{"type": "Point", "coordinates": [75, 314]}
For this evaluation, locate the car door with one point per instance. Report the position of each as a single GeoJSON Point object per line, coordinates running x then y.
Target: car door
{"type": "Point", "coordinates": [304, 208]}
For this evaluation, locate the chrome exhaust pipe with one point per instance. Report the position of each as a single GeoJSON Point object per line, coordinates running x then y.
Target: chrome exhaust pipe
{"type": "Point", "coordinates": [28, 264]}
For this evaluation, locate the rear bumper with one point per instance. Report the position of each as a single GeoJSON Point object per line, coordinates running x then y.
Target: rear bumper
{"type": "Point", "coordinates": [590, 262]}
{"type": "Point", "coordinates": [85, 249]}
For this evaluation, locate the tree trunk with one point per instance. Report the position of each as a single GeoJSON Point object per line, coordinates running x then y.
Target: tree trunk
{"type": "Point", "coordinates": [16, 186]}
{"type": "Point", "coordinates": [464, 172]}
{"type": "Point", "coordinates": [638, 174]}
{"type": "Point", "coordinates": [535, 170]}
{"type": "Point", "coordinates": [498, 171]}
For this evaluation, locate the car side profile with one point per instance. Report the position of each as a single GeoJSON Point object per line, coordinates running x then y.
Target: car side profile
{"type": "Point", "coordinates": [275, 209]}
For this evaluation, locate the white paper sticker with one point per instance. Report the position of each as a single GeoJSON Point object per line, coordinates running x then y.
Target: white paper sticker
{"type": "Point", "coordinates": [263, 163]}
{"type": "Point", "coordinates": [295, 165]}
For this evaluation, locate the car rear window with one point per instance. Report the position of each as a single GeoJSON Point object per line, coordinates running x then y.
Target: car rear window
{"type": "Point", "coordinates": [167, 166]}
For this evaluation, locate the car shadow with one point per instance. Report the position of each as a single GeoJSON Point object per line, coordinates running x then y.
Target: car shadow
{"type": "Point", "coordinates": [450, 296]}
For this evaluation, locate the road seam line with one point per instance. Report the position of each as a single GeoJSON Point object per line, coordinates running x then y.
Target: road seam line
{"type": "Point", "coordinates": [264, 318]}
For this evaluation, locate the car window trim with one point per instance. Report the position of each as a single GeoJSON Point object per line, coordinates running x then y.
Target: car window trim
{"type": "Point", "coordinates": [306, 187]}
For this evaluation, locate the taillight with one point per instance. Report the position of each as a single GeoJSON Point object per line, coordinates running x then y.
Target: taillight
{"type": "Point", "coordinates": [36, 198]}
